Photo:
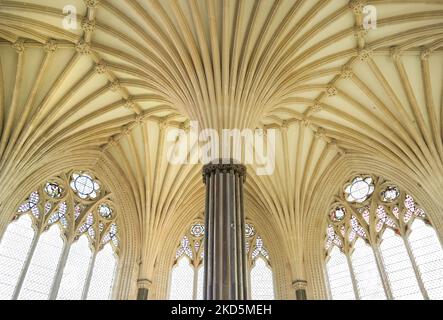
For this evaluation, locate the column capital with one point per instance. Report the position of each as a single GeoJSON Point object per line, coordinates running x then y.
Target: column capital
{"type": "Point", "coordinates": [300, 284]}
{"type": "Point", "coordinates": [300, 289]}
{"type": "Point", "coordinates": [224, 166]}
{"type": "Point", "coordinates": [144, 283]}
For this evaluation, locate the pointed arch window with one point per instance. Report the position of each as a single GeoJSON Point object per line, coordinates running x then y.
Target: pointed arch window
{"type": "Point", "coordinates": [188, 270]}
{"type": "Point", "coordinates": [381, 245]}
{"type": "Point", "coordinates": [62, 243]}
{"type": "Point", "coordinates": [261, 278]}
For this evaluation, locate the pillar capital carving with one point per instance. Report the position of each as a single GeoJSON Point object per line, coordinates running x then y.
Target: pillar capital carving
{"type": "Point", "coordinates": [224, 166]}
{"type": "Point", "coordinates": [300, 284]}
{"type": "Point", "coordinates": [144, 283]}
{"type": "Point", "coordinates": [19, 46]}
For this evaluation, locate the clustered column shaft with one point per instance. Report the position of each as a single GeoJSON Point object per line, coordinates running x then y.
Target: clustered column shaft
{"type": "Point", "coordinates": [225, 256]}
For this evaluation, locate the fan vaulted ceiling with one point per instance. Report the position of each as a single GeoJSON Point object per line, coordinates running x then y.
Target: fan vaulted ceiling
{"type": "Point", "coordinates": [111, 88]}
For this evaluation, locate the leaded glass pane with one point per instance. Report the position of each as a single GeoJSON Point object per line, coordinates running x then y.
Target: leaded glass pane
{"type": "Point", "coordinates": [182, 280]}
{"type": "Point", "coordinates": [14, 248]}
{"type": "Point", "coordinates": [41, 272]}
{"type": "Point", "coordinates": [340, 280]}
{"type": "Point", "coordinates": [262, 283]}
{"type": "Point", "coordinates": [103, 275]}
{"type": "Point", "coordinates": [76, 270]}
{"type": "Point", "coordinates": [428, 255]}
{"type": "Point", "coordinates": [399, 268]}
{"type": "Point", "coordinates": [370, 286]}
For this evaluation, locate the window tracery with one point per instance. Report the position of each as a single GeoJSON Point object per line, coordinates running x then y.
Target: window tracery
{"type": "Point", "coordinates": [261, 277]}
{"type": "Point", "coordinates": [188, 270]}
{"type": "Point", "coordinates": [371, 232]}
{"type": "Point", "coordinates": [70, 220]}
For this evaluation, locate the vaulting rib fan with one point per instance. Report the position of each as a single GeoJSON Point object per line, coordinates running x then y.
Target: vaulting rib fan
{"type": "Point", "coordinates": [221, 149]}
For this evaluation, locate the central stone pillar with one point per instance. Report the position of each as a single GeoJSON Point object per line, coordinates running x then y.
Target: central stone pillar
{"type": "Point", "coordinates": [226, 277]}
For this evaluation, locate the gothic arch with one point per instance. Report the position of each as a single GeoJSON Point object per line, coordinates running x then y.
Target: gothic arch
{"type": "Point", "coordinates": [351, 165]}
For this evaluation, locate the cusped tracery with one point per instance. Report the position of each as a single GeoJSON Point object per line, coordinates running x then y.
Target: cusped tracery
{"type": "Point", "coordinates": [69, 217]}
{"type": "Point", "coordinates": [371, 226]}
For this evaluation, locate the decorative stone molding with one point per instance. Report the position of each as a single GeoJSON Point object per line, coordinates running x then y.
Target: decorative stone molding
{"type": "Point", "coordinates": [346, 73]}
{"type": "Point", "coordinates": [316, 107]}
{"type": "Point", "coordinates": [213, 168]}
{"type": "Point", "coordinates": [306, 122]}
{"type": "Point", "coordinates": [101, 67]}
{"type": "Point", "coordinates": [144, 283]}
{"type": "Point", "coordinates": [139, 119]}
{"type": "Point", "coordinates": [50, 46]}
{"type": "Point", "coordinates": [357, 6]}
{"type": "Point", "coordinates": [425, 54]}
{"type": "Point", "coordinates": [112, 141]}
{"type": "Point", "coordinates": [83, 47]}
{"type": "Point", "coordinates": [331, 91]}
{"type": "Point", "coordinates": [300, 287]}
{"type": "Point", "coordinates": [320, 133]}
{"type": "Point", "coordinates": [333, 145]}
{"type": "Point", "coordinates": [300, 284]}
{"type": "Point", "coordinates": [365, 54]}
{"type": "Point", "coordinates": [19, 46]}
{"type": "Point", "coordinates": [88, 25]}
{"type": "Point", "coordinates": [129, 103]}
{"type": "Point", "coordinates": [115, 85]}
{"type": "Point", "coordinates": [92, 3]}
{"type": "Point", "coordinates": [126, 130]}
{"type": "Point", "coordinates": [185, 126]}
{"type": "Point", "coordinates": [395, 53]}
{"type": "Point", "coordinates": [284, 125]}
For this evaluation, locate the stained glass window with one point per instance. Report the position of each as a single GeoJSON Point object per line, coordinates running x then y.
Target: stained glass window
{"type": "Point", "coordinates": [14, 250]}
{"type": "Point", "coordinates": [187, 272]}
{"type": "Point", "coordinates": [182, 281]}
{"type": "Point", "coordinates": [381, 245]}
{"type": "Point", "coordinates": [261, 278]}
{"type": "Point", "coordinates": [62, 243]}
{"type": "Point", "coordinates": [41, 272]}
{"type": "Point", "coordinates": [103, 275]}
{"type": "Point", "coordinates": [187, 276]}
{"type": "Point", "coordinates": [76, 271]}
{"type": "Point", "coordinates": [84, 185]}
{"type": "Point", "coordinates": [262, 283]}
{"type": "Point", "coordinates": [339, 276]}
{"type": "Point", "coordinates": [428, 256]}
